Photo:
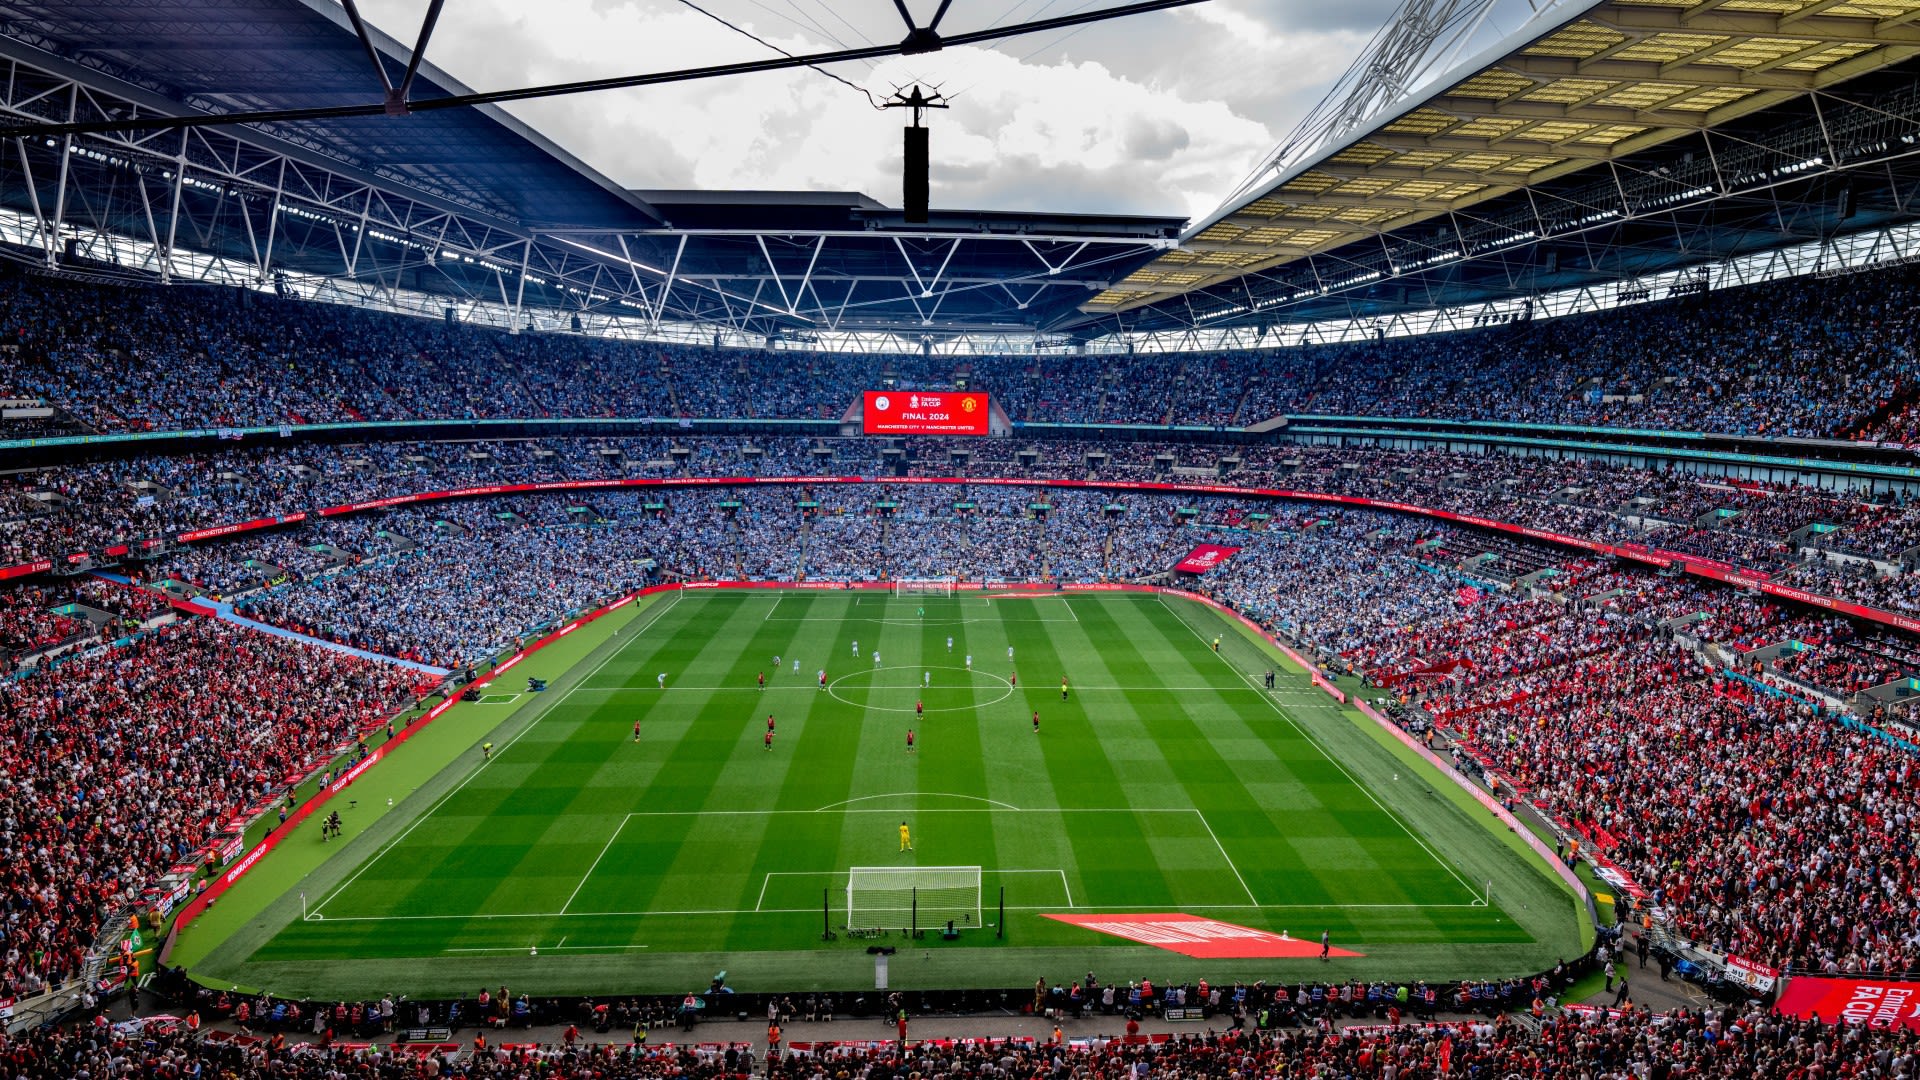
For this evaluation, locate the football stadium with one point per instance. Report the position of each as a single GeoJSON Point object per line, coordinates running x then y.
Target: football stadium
{"type": "Point", "coordinates": [1163, 539]}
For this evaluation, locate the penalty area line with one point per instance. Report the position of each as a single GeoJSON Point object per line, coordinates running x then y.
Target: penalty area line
{"type": "Point", "coordinates": [816, 911]}
{"type": "Point", "coordinates": [1204, 823]}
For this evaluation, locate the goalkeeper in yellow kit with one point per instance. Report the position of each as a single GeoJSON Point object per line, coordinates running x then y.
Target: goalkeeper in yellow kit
{"type": "Point", "coordinates": [906, 838]}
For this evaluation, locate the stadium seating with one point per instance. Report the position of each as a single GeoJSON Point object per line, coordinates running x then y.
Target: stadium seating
{"type": "Point", "coordinates": [122, 763]}
{"type": "Point", "coordinates": [1589, 689]}
{"type": "Point", "coordinates": [118, 358]}
{"type": "Point", "coordinates": [1858, 559]}
{"type": "Point", "coordinates": [1722, 1043]}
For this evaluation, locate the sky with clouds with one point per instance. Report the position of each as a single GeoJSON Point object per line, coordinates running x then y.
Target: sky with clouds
{"type": "Point", "coordinates": [1163, 113]}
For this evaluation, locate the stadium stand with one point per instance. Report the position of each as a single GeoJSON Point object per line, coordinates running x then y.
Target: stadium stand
{"type": "Point", "coordinates": [124, 359]}
{"type": "Point", "coordinates": [209, 720]}
{"type": "Point", "coordinates": [1722, 1043]}
{"type": "Point", "coordinates": [1565, 681]}
{"type": "Point", "coordinates": [1646, 575]}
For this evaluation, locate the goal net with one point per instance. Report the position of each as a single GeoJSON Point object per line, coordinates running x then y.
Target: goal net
{"type": "Point", "coordinates": [890, 897]}
{"type": "Point", "coordinates": [923, 587]}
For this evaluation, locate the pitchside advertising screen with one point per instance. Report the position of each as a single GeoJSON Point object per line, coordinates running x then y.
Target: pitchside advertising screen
{"type": "Point", "coordinates": [908, 412]}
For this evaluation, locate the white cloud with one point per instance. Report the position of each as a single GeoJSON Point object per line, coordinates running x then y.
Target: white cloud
{"type": "Point", "coordinates": [1162, 113]}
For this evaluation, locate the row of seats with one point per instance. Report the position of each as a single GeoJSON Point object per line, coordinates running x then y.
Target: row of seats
{"type": "Point", "coordinates": [118, 358]}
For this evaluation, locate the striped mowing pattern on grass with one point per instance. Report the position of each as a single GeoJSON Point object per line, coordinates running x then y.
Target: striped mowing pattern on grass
{"type": "Point", "coordinates": [1167, 780]}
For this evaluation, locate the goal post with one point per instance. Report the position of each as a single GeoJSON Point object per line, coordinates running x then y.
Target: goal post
{"type": "Point", "coordinates": [923, 587]}
{"type": "Point", "coordinates": [896, 897]}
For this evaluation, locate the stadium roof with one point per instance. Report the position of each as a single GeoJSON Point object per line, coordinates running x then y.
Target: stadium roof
{"type": "Point", "coordinates": [1588, 100]}
{"type": "Point", "coordinates": [475, 205]}
{"type": "Point", "coordinates": [180, 57]}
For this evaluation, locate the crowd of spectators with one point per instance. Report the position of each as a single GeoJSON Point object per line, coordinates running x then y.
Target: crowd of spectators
{"type": "Point", "coordinates": [127, 358]}
{"type": "Point", "coordinates": [1575, 684]}
{"type": "Point", "coordinates": [119, 763]}
{"type": "Point", "coordinates": [131, 499]}
{"type": "Point", "coordinates": [27, 623]}
{"type": "Point", "coordinates": [44, 615]}
{"type": "Point", "coordinates": [1719, 1043]}
{"type": "Point", "coordinates": [1852, 555]}
{"type": "Point", "coordinates": [1794, 842]}
{"type": "Point", "coordinates": [1563, 681]}
{"type": "Point", "coordinates": [462, 595]}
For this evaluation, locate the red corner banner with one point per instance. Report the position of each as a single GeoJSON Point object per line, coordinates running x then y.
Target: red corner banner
{"type": "Point", "coordinates": [1206, 939]}
{"type": "Point", "coordinates": [1204, 558]}
{"type": "Point", "coordinates": [1853, 1001]}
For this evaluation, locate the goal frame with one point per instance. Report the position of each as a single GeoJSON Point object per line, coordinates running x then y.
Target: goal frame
{"type": "Point", "coordinates": [908, 915]}
{"type": "Point", "coordinates": [923, 587]}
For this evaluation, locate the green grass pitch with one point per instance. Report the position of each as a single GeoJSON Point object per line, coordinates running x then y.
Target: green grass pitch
{"type": "Point", "coordinates": [1168, 780]}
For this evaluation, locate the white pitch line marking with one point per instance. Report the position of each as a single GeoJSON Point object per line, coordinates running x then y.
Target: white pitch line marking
{"type": "Point", "coordinates": [551, 948]}
{"type": "Point", "coordinates": [658, 611]}
{"type": "Point", "coordinates": [1335, 762]}
{"type": "Point", "coordinates": [816, 911]}
{"type": "Point", "coordinates": [1252, 899]}
{"type": "Point", "coordinates": [596, 865]}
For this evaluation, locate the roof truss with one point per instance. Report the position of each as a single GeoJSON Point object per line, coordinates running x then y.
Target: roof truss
{"type": "Point", "coordinates": [1622, 77]}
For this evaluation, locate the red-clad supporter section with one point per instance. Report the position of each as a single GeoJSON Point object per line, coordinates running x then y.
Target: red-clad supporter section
{"type": "Point", "coordinates": [239, 869]}
{"type": "Point", "coordinates": [37, 566]}
{"type": "Point", "coordinates": [1204, 558]}
{"type": "Point", "coordinates": [1853, 1001]}
{"type": "Point", "coordinates": [921, 412]}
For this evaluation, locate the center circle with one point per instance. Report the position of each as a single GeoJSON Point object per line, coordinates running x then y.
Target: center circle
{"type": "Point", "coordinates": [910, 688]}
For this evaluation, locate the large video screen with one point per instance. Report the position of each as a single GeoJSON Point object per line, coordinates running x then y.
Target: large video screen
{"type": "Point", "coordinates": [919, 412]}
